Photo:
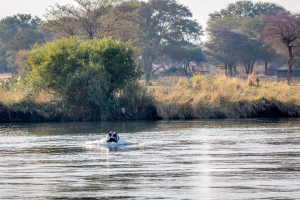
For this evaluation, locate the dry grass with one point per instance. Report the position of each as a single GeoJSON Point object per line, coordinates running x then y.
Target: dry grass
{"type": "Point", "coordinates": [226, 95]}
{"type": "Point", "coordinates": [11, 96]}
{"type": "Point", "coordinates": [19, 103]}
{"type": "Point", "coordinates": [17, 94]}
{"type": "Point", "coordinates": [198, 97]}
{"type": "Point", "coordinates": [213, 90]}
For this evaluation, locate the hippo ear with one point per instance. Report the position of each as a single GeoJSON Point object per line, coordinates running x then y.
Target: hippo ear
{"type": "Point", "coordinates": [107, 131]}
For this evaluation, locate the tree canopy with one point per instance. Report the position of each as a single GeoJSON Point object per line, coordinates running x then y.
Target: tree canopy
{"type": "Point", "coordinates": [246, 18]}
{"type": "Point", "coordinates": [90, 19]}
{"type": "Point", "coordinates": [17, 33]}
{"type": "Point", "coordinates": [167, 25]}
{"type": "Point", "coordinates": [164, 32]}
{"type": "Point", "coordinates": [245, 9]}
{"type": "Point", "coordinates": [225, 46]}
{"type": "Point", "coordinates": [159, 28]}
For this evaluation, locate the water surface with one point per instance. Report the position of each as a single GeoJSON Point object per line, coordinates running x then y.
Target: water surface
{"type": "Point", "coordinates": [189, 159]}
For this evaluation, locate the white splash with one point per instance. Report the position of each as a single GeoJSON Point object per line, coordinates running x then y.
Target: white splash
{"type": "Point", "coordinates": [102, 142]}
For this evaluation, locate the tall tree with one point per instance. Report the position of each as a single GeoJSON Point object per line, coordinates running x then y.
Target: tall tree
{"type": "Point", "coordinates": [283, 31]}
{"type": "Point", "coordinates": [24, 39]}
{"type": "Point", "coordinates": [245, 17]}
{"type": "Point", "coordinates": [225, 46]}
{"type": "Point", "coordinates": [187, 55]}
{"type": "Point", "coordinates": [16, 33]}
{"type": "Point", "coordinates": [251, 28]}
{"type": "Point", "coordinates": [195, 56]}
{"type": "Point", "coordinates": [91, 19]}
{"type": "Point", "coordinates": [258, 50]}
{"type": "Point", "coordinates": [122, 23]}
{"type": "Point", "coordinates": [245, 9]}
{"type": "Point", "coordinates": [166, 24]}
{"type": "Point", "coordinates": [82, 19]}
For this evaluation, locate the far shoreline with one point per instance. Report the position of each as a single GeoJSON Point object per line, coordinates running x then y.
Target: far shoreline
{"type": "Point", "coordinates": [241, 110]}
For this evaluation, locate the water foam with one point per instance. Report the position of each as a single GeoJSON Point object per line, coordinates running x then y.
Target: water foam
{"type": "Point", "coordinates": [102, 142]}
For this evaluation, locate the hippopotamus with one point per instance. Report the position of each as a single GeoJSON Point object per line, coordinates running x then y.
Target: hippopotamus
{"type": "Point", "coordinates": [112, 136]}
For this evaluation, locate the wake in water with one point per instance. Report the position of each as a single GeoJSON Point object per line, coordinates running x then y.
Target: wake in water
{"type": "Point", "coordinates": [102, 143]}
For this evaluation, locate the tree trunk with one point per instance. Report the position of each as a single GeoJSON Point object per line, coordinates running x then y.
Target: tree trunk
{"type": "Point", "coordinates": [148, 68]}
{"type": "Point", "coordinates": [207, 67]}
{"type": "Point", "coordinates": [291, 63]}
{"type": "Point", "coordinates": [247, 67]}
{"type": "Point", "coordinates": [252, 65]}
{"type": "Point", "coordinates": [187, 67]}
{"type": "Point", "coordinates": [148, 73]}
{"type": "Point", "coordinates": [266, 67]}
{"type": "Point", "coordinates": [230, 69]}
{"type": "Point", "coordinates": [225, 68]}
{"type": "Point", "coordinates": [148, 60]}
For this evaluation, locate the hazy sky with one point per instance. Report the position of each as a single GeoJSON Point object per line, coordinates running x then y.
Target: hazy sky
{"type": "Point", "coordinates": [200, 8]}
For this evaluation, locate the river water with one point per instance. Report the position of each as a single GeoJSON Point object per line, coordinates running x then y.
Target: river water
{"type": "Point", "coordinates": [190, 159]}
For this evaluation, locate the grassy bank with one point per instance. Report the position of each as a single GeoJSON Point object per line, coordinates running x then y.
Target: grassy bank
{"type": "Point", "coordinates": [178, 98]}
{"type": "Point", "coordinates": [225, 97]}
{"type": "Point", "coordinates": [20, 104]}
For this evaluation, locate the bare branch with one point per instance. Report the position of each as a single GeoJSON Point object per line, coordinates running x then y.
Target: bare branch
{"type": "Point", "coordinates": [283, 30]}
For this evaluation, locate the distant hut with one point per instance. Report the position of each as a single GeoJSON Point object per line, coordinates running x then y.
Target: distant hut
{"type": "Point", "coordinates": [272, 70]}
{"type": "Point", "coordinates": [6, 76]}
{"type": "Point", "coordinates": [283, 71]}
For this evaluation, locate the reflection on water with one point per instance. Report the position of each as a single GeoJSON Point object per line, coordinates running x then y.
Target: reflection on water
{"type": "Point", "coordinates": [188, 159]}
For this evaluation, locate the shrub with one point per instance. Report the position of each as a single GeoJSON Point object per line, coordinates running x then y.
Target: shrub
{"type": "Point", "coordinates": [85, 74]}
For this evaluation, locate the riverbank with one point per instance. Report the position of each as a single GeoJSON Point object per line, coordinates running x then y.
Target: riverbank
{"type": "Point", "coordinates": [255, 109]}
{"type": "Point", "coordinates": [225, 97]}
{"type": "Point", "coordinates": [200, 97]}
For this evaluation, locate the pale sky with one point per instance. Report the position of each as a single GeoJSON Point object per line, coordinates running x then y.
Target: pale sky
{"type": "Point", "coordinates": [200, 8]}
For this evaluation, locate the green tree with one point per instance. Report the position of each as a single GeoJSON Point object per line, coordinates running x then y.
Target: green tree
{"type": "Point", "coordinates": [16, 33]}
{"type": "Point", "coordinates": [70, 20]}
{"type": "Point", "coordinates": [225, 46]}
{"type": "Point", "coordinates": [188, 55]}
{"type": "Point", "coordinates": [24, 40]}
{"type": "Point", "coordinates": [11, 25]}
{"type": "Point", "coordinates": [90, 19]}
{"type": "Point", "coordinates": [245, 17]}
{"type": "Point", "coordinates": [84, 74]}
{"type": "Point", "coordinates": [122, 23]}
{"type": "Point", "coordinates": [245, 9]}
{"type": "Point", "coordinates": [167, 25]}
{"type": "Point", "coordinates": [195, 57]}
{"type": "Point", "coordinates": [258, 50]}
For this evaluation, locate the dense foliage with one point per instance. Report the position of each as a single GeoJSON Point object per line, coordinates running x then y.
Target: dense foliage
{"type": "Point", "coordinates": [18, 32]}
{"type": "Point", "coordinates": [241, 42]}
{"type": "Point", "coordinates": [168, 26]}
{"type": "Point", "coordinates": [160, 28]}
{"type": "Point", "coordinates": [85, 74]}
{"type": "Point", "coordinates": [164, 31]}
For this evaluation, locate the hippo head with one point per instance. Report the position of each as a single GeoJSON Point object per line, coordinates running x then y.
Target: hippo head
{"type": "Point", "coordinates": [112, 136]}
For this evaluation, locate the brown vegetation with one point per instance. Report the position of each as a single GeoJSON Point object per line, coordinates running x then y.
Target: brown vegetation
{"type": "Point", "coordinates": [224, 97]}
{"type": "Point", "coordinates": [200, 97]}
